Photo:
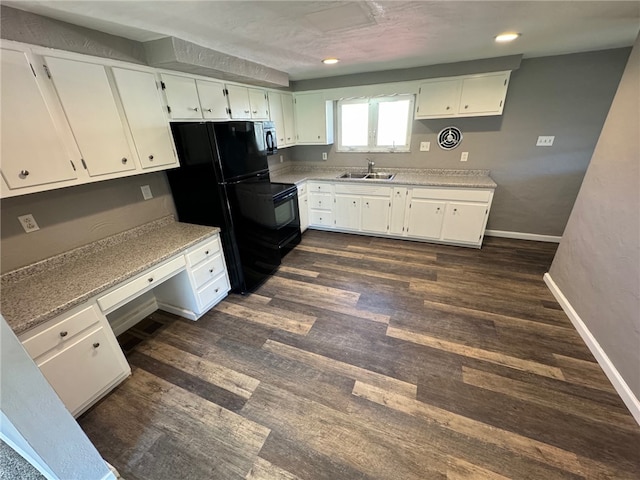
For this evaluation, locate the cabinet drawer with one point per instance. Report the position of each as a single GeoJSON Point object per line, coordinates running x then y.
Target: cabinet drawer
{"type": "Point", "coordinates": [140, 284]}
{"type": "Point", "coordinates": [207, 250]}
{"type": "Point", "coordinates": [323, 218]}
{"type": "Point", "coordinates": [216, 289]}
{"type": "Point", "coordinates": [359, 189]}
{"type": "Point", "coordinates": [62, 333]}
{"type": "Point", "coordinates": [208, 271]}
{"type": "Point", "coordinates": [320, 187]}
{"type": "Point", "coordinates": [78, 373]}
{"type": "Point", "coordinates": [302, 189]}
{"type": "Point", "coordinates": [471, 195]}
{"type": "Point", "coordinates": [320, 201]}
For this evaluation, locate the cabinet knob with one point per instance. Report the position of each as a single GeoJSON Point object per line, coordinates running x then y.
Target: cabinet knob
{"type": "Point", "coordinates": [64, 333]}
{"type": "Point", "coordinates": [466, 106]}
{"type": "Point", "coordinates": [318, 137]}
{"type": "Point", "coordinates": [354, 202]}
{"type": "Point", "coordinates": [448, 107]}
{"type": "Point", "coordinates": [367, 203]}
{"type": "Point", "coordinates": [288, 138]}
{"type": "Point", "coordinates": [211, 270]}
{"type": "Point", "coordinates": [206, 252]}
{"type": "Point", "coordinates": [208, 110]}
{"type": "Point", "coordinates": [96, 345]}
{"type": "Point", "coordinates": [455, 210]}
{"type": "Point", "coordinates": [255, 111]}
{"type": "Point", "coordinates": [217, 289]}
{"type": "Point", "coordinates": [151, 157]}
{"type": "Point", "coordinates": [195, 109]}
{"type": "Point", "coordinates": [124, 160]}
{"type": "Point", "coordinates": [246, 111]}
{"type": "Point", "coordinates": [24, 173]}
{"type": "Point", "coordinates": [150, 279]}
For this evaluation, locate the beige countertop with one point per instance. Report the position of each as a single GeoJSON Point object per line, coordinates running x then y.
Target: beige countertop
{"type": "Point", "coordinates": [36, 293]}
{"type": "Point", "coordinates": [404, 176]}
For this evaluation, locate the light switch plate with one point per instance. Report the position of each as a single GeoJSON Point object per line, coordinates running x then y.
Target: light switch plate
{"type": "Point", "coordinates": [424, 146]}
{"type": "Point", "coordinates": [545, 141]}
{"type": "Point", "coordinates": [28, 223]}
{"type": "Point", "coordinates": [464, 157]}
{"type": "Point", "coordinates": [146, 192]}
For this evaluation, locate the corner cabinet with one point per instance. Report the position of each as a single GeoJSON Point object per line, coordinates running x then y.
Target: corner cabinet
{"type": "Point", "coordinates": [314, 119]}
{"type": "Point", "coordinates": [464, 96]}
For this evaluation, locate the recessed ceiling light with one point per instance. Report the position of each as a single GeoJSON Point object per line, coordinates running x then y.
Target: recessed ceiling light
{"type": "Point", "coordinates": [507, 37]}
{"type": "Point", "coordinates": [330, 61]}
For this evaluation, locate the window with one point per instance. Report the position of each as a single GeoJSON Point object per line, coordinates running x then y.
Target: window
{"type": "Point", "coordinates": [380, 124]}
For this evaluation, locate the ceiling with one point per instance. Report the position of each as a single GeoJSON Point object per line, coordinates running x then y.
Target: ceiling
{"type": "Point", "coordinates": [293, 36]}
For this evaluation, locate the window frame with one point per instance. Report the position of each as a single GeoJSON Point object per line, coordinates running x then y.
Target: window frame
{"type": "Point", "coordinates": [373, 103]}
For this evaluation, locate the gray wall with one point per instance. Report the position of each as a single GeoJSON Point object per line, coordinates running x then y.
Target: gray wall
{"type": "Point", "coordinates": [74, 216]}
{"type": "Point", "coordinates": [597, 265]}
{"type": "Point", "coordinates": [567, 96]}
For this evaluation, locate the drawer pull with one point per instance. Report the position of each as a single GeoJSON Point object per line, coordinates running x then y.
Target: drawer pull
{"type": "Point", "coordinates": [217, 290]}
{"type": "Point", "coordinates": [96, 345]}
{"type": "Point", "coordinates": [150, 279]}
{"type": "Point", "coordinates": [124, 160]}
{"type": "Point", "coordinates": [64, 333]}
{"type": "Point", "coordinates": [206, 252]}
{"type": "Point", "coordinates": [24, 173]}
{"type": "Point", "coordinates": [151, 157]}
{"type": "Point", "coordinates": [211, 270]}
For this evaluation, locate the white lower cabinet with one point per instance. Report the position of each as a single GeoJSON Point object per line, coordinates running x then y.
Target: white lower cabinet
{"type": "Point", "coordinates": [446, 215]}
{"type": "Point", "coordinates": [303, 206]}
{"type": "Point", "coordinates": [79, 356]}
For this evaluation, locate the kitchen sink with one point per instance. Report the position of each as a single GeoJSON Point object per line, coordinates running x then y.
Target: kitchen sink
{"type": "Point", "coordinates": [368, 176]}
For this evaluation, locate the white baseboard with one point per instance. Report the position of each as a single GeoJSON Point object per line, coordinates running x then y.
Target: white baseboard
{"type": "Point", "coordinates": [628, 397]}
{"type": "Point", "coordinates": [181, 312]}
{"type": "Point", "coordinates": [523, 236]}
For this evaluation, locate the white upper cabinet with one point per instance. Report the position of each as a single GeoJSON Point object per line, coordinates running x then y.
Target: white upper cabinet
{"type": "Point", "coordinates": [277, 116]}
{"type": "Point", "coordinates": [289, 119]}
{"type": "Point", "coordinates": [314, 119]}
{"type": "Point", "coordinates": [465, 96]}
{"type": "Point", "coordinates": [143, 108]}
{"type": "Point", "coordinates": [247, 103]}
{"type": "Point", "coordinates": [33, 151]}
{"type": "Point", "coordinates": [182, 97]}
{"type": "Point", "coordinates": [92, 112]}
{"type": "Point", "coordinates": [281, 113]}
{"type": "Point", "coordinates": [484, 94]}
{"type": "Point", "coordinates": [213, 100]}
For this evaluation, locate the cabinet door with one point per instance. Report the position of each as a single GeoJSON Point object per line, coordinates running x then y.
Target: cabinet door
{"type": "Point", "coordinates": [289, 119]}
{"type": "Point", "coordinates": [258, 103]}
{"type": "Point", "coordinates": [347, 212]}
{"type": "Point", "coordinates": [464, 222]}
{"type": "Point", "coordinates": [239, 102]}
{"type": "Point", "coordinates": [182, 97]}
{"type": "Point", "coordinates": [277, 116]}
{"type": "Point", "coordinates": [438, 99]}
{"type": "Point", "coordinates": [90, 107]}
{"type": "Point", "coordinates": [425, 218]}
{"type": "Point", "coordinates": [398, 208]}
{"type": "Point", "coordinates": [303, 206]}
{"type": "Point", "coordinates": [311, 118]}
{"type": "Point", "coordinates": [149, 126]}
{"type": "Point", "coordinates": [81, 371]}
{"type": "Point", "coordinates": [213, 100]}
{"type": "Point", "coordinates": [484, 94]}
{"type": "Point", "coordinates": [32, 150]}
{"type": "Point", "coordinates": [375, 214]}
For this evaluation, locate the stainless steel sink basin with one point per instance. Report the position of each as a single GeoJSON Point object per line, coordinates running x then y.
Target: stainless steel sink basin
{"type": "Point", "coordinates": [368, 176]}
{"type": "Point", "coordinates": [357, 175]}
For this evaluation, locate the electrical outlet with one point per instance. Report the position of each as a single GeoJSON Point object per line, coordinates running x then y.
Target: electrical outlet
{"type": "Point", "coordinates": [545, 141]}
{"type": "Point", "coordinates": [425, 146]}
{"type": "Point", "coordinates": [464, 157]}
{"type": "Point", "coordinates": [146, 192]}
{"type": "Point", "coordinates": [28, 223]}
{"type": "Point", "coordinates": [324, 155]}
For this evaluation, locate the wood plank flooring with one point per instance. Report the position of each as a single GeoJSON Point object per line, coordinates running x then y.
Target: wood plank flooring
{"type": "Point", "coordinates": [367, 358]}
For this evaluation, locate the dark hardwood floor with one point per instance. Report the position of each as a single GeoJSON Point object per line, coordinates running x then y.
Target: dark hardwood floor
{"type": "Point", "coordinates": [368, 358]}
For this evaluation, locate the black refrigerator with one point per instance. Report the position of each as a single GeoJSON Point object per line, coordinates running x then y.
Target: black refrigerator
{"type": "Point", "coordinates": [223, 180]}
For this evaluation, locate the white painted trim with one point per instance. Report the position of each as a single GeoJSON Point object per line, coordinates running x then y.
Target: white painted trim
{"type": "Point", "coordinates": [523, 236]}
{"type": "Point", "coordinates": [182, 312]}
{"type": "Point", "coordinates": [628, 397]}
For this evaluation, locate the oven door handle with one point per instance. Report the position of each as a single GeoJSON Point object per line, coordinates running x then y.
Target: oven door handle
{"type": "Point", "coordinates": [279, 200]}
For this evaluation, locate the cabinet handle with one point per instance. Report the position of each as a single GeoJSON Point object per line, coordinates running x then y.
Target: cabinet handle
{"type": "Point", "coordinates": [96, 345]}
{"type": "Point", "coordinates": [24, 173]}
{"type": "Point", "coordinates": [64, 333]}
{"type": "Point", "coordinates": [150, 279]}
{"type": "Point", "coordinates": [124, 160]}
{"type": "Point", "coordinates": [151, 157]}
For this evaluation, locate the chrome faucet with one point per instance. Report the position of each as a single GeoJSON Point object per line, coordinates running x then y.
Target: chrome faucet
{"type": "Point", "coordinates": [370, 165]}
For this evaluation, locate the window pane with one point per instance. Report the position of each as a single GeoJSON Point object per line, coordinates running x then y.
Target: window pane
{"type": "Point", "coordinates": [392, 123]}
{"type": "Point", "coordinates": [355, 124]}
